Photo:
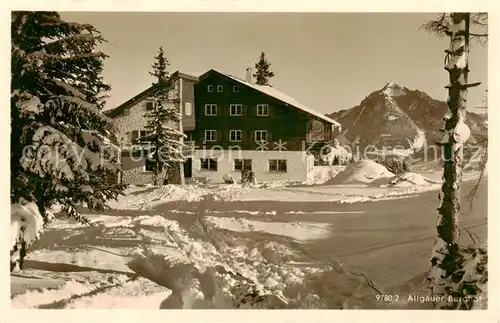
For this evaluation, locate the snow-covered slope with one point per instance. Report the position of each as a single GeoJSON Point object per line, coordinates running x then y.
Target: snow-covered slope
{"type": "Point", "coordinates": [179, 250]}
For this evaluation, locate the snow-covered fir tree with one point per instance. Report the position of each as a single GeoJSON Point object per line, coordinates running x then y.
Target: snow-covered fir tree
{"type": "Point", "coordinates": [60, 151]}
{"type": "Point", "coordinates": [159, 71]}
{"type": "Point", "coordinates": [263, 73]}
{"type": "Point", "coordinates": [164, 135]}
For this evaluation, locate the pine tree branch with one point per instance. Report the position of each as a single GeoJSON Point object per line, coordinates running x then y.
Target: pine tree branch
{"type": "Point", "coordinates": [439, 26]}
{"type": "Point", "coordinates": [54, 66]}
{"type": "Point", "coordinates": [470, 235]}
{"type": "Point", "coordinates": [474, 191]}
{"type": "Point", "coordinates": [76, 40]}
{"type": "Point", "coordinates": [69, 58]}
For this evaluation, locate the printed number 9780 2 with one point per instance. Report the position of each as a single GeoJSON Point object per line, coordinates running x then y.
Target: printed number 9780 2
{"type": "Point", "coordinates": [387, 298]}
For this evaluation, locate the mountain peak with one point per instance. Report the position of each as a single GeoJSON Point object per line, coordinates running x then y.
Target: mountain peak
{"type": "Point", "coordinates": [393, 89]}
{"type": "Point", "coordinates": [382, 119]}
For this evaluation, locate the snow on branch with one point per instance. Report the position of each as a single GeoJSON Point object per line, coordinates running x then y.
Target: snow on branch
{"type": "Point", "coordinates": [59, 26]}
{"type": "Point", "coordinates": [83, 112]}
{"type": "Point", "coordinates": [28, 103]}
{"type": "Point", "coordinates": [99, 143]}
{"type": "Point", "coordinates": [62, 43]}
{"type": "Point", "coordinates": [26, 225]}
{"type": "Point", "coordinates": [70, 90]}
{"type": "Point", "coordinates": [78, 56]}
{"type": "Point", "coordinates": [54, 154]}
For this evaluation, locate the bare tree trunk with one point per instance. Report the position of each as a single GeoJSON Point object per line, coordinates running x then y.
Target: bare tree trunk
{"type": "Point", "coordinates": [157, 165]}
{"type": "Point", "coordinates": [445, 255]}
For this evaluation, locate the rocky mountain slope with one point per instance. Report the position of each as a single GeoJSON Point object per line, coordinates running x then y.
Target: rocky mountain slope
{"type": "Point", "coordinates": [396, 117]}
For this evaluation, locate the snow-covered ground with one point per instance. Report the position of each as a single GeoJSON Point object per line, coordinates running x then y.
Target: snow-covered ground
{"type": "Point", "coordinates": [93, 264]}
{"type": "Point", "coordinates": [148, 253]}
{"type": "Point", "coordinates": [92, 267]}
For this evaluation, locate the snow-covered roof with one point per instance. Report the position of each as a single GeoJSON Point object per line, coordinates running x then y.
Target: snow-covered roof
{"type": "Point", "coordinates": [271, 91]}
{"type": "Point", "coordinates": [113, 112]}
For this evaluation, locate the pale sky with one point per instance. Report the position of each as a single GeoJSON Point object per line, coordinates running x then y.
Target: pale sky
{"type": "Point", "coordinates": [327, 61]}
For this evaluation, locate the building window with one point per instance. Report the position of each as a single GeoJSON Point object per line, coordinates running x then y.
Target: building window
{"type": "Point", "coordinates": [210, 88]}
{"type": "Point", "coordinates": [242, 164]}
{"type": "Point", "coordinates": [235, 135]}
{"type": "Point", "coordinates": [210, 135]}
{"type": "Point", "coordinates": [219, 88]}
{"type": "Point", "coordinates": [209, 164]}
{"type": "Point", "coordinates": [142, 134]}
{"type": "Point", "coordinates": [262, 110]}
{"type": "Point", "coordinates": [210, 109]}
{"type": "Point", "coordinates": [188, 109]}
{"type": "Point", "coordinates": [135, 136]}
{"type": "Point", "coordinates": [277, 165]}
{"type": "Point", "coordinates": [149, 106]}
{"type": "Point", "coordinates": [150, 165]}
{"type": "Point", "coordinates": [236, 88]}
{"type": "Point", "coordinates": [235, 109]}
{"type": "Point", "coordinates": [260, 135]}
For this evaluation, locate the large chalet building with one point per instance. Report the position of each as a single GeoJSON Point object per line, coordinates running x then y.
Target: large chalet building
{"type": "Point", "coordinates": [241, 125]}
{"type": "Point", "coordinates": [231, 124]}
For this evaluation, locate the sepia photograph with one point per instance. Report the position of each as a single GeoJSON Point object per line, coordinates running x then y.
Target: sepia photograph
{"type": "Point", "coordinates": [248, 160]}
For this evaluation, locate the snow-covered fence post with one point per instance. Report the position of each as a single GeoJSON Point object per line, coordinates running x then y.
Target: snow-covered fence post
{"type": "Point", "coordinates": [445, 256]}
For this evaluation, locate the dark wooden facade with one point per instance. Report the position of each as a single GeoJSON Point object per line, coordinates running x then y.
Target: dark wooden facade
{"type": "Point", "coordinates": [187, 99]}
{"type": "Point", "coordinates": [283, 122]}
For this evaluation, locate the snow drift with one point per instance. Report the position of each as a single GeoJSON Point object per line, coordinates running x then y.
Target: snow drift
{"type": "Point", "coordinates": [361, 171]}
{"type": "Point", "coordinates": [26, 224]}
{"type": "Point", "coordinates": [336, 151]}
{"type": "Point", "coordinates": [404, 180]}
{"type": "Point", "coordinates": [321, 174]}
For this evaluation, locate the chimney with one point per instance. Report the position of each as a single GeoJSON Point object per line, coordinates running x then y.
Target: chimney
{"type": "Point", "coordinates": [248, 75]}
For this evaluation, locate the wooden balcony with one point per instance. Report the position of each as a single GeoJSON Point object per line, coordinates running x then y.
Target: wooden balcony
{"type": "Point", "coordinates": [315, 146]}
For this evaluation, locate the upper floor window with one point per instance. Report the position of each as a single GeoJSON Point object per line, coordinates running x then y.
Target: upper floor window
{"type": "Point", "coordinates": [188, 110]}
{"type": "Point", "coordinates": [260, 135]}
{"type": "Point", "coordinates": [277, 165]}
{"type": "Point", "coordinates": [210, 88]}
{"type": "Point", "coordinates": [262, 110]}
{"type": "Point", "coordinates": [219, 88]}
{"type": "Point", "coordinates": [149, 106]}
{"type": "Point", "coordinates": [210, 109]}
{"type": "Point", "coordinates": [138, 136]}
{"type": "Point", "coordinates": [210, 135]}
{"type": "Point", "coordinates": [235, 109]}
{"type": "Point", "coordinates": [236, 88]}
{"type": "Point", "coordinates": [235, 135]}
